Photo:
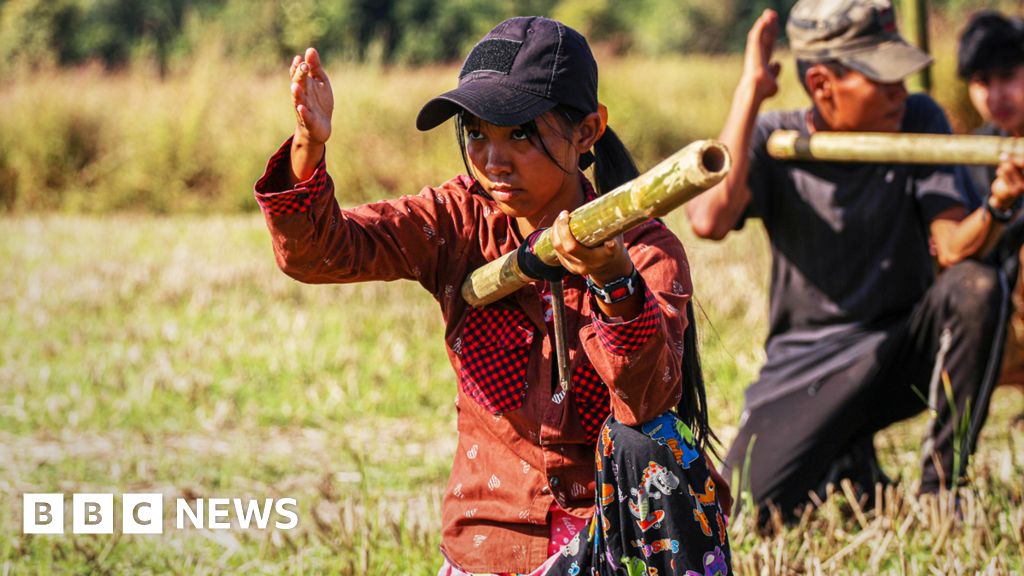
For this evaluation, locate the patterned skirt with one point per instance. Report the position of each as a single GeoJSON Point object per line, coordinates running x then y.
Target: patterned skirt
{"type": "Point", "coordinates": [657, 513]}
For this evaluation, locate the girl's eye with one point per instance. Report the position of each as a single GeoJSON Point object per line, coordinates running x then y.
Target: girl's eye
{"type": "Point", "coordinates": [520, 134]}
{"type": "Point", "coordinates": [474, 134]}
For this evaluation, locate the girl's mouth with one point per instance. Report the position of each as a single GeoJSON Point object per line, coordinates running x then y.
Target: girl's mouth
{"type": "Point", "coordinates": [504, 194]}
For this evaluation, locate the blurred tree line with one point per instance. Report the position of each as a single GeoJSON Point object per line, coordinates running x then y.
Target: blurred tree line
{"type": "Point", "coordinates": [114, 32]}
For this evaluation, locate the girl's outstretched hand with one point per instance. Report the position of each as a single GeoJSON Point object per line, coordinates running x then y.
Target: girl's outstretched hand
{"type": "Point", "coordinates": [312, 98]}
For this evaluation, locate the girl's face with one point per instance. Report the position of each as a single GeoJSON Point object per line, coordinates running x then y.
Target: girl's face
{"type": "Point", "coordinates": [998, 95]}
{"type": "Point", "coordinates": [526, 182]}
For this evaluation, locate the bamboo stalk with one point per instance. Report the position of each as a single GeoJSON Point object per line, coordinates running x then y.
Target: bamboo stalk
{"type": "Point", "coordinates": [892, 148]}
{"type": "Point", "coordinates": [671, 183]}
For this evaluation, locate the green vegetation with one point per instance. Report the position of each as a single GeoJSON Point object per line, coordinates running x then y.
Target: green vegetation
{"type": "Point", "coordinates": [91, 141]}
{"type": "Point", "coordinates": [169, 32]}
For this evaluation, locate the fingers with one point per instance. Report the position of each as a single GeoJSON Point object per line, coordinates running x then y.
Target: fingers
{"type": "Point", "coordinates": [301, 72]}
{"type": "Point", "coordinates": [565, 244]}
{"type": "Point", "coordinates": [766, 26]}
{"type": "Point", "coordinates": [761, 43]}
{"type": "Point", "coordinates": [1009, 182]}
{"type": "Point", "coordinates": [770, 30]}
{"type": "Point", "coordinates": [315, 67]}
{"type": "Point", "coordinates": [582, 260]}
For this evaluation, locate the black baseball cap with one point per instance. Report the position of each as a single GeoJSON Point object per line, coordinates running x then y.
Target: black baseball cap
{"type": "Point", "coordinates": [519, 70]}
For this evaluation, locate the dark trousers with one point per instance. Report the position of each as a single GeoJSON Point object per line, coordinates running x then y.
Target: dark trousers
{"type": "Point", "coordinates": [657, 511]}
{"type": "Point", "coordinates": [822, 433]}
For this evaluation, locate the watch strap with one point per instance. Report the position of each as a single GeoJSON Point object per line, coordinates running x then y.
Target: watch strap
{"type": "Point", "coordinates": [617, 290]}
{"type": "Point", "coordinates": [1001, 216]}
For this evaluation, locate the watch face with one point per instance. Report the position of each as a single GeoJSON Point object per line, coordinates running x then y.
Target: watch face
{"type": "Point", "coordinates": [616, 290]}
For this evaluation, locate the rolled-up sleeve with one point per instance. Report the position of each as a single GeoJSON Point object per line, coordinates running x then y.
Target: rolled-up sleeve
{"type": "Point", "coordinates": [315, 241]}
{"type": "Point", "coordinates": [625, 337]}
{"type": "Point", "coordinates": [640, 360]}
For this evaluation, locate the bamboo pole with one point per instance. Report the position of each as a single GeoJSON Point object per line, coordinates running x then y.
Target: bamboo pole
{"type": "Point", "coordinates": [892, 148]}
{"type": "Point", "coordinates": [654, 193]}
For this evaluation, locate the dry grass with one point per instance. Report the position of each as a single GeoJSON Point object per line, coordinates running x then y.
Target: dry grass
{"type": "Point", "coordinates": [169, 355]}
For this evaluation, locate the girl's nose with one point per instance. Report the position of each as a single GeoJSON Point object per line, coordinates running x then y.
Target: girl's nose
{"type": "Point", "coordinates": [498, 161]}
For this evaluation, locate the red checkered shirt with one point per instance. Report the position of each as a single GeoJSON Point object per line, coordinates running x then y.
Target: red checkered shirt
{"type": "Point", "coordinates": [519, 449]}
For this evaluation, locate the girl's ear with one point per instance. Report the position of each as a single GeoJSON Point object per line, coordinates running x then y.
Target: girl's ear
{"type": "Point", "coordinates": [590, 129]}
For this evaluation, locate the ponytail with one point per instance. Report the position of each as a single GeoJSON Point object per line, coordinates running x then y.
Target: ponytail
{"type": "Point", "coordinates": [693, 406]}
{"type": "Point", "coordinates": [613, 164]}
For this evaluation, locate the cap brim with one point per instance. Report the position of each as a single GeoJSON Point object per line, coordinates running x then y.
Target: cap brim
{"type": "Point", "coordinates": [488, 100]}
{"type": "Point", "coordinates": [890, 62]}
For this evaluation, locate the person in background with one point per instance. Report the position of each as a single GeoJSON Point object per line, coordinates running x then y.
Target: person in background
{"type": "Point", "coordinates": [861, 333]}
{"type": "Point", "coordinates": [991, 60]}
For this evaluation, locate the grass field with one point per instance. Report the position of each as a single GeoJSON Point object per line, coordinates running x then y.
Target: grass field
{"type": "Point", "coordinates": [170, 355]}
{"type": "Point", "coordinates": [142, 351]}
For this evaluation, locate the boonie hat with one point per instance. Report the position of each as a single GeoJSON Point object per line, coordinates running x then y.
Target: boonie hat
{"type": "Point", "coordinates": [519, 70]}
{"type": "Point", "coordinates": [860, 34]}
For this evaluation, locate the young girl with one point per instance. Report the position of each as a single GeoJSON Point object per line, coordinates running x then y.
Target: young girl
{"type": "Point", "coordinates": [543, 482]}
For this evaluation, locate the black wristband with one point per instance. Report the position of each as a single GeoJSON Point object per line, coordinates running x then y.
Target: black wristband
{"type": "Point", "coordinates": [531, 265]}
{"type": "Point", "coordinates": [1001, 216]}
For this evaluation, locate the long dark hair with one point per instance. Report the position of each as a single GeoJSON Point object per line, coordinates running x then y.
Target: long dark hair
{"type": "Point", "coordinates": [613, 166]}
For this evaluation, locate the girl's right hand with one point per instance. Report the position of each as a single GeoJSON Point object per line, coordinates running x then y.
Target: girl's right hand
{"type": "Point", "coordinates": [312, 98]}
{"type": "Point", "coordinates": [758, 67]}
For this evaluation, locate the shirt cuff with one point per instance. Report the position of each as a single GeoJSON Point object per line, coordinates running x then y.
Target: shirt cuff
{"type": "Point", "coordinates": [624, 338]}
{"type": "Point", "coordinates": [274, 193]}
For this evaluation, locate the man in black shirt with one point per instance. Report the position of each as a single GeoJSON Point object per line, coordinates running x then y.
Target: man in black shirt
{"type": "Point", "coordinates": [861, 334]}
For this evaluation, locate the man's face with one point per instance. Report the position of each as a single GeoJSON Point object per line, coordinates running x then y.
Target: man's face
{"type": "Point", "coordinates": [860, 104]}
{"type": "Point", "coordinates": [998, 95]}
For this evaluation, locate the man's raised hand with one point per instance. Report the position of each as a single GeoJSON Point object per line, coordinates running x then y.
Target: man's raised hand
{"type": "Point", "coordinates": [312, 98]}
{"type": "Point", "coordinates": [757, 58]}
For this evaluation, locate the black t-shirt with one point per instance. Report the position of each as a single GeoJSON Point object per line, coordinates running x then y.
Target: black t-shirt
{"type": "Point", "coordinates": [850, 252]}
{"type": "Point", "coordinates": [982, 176]}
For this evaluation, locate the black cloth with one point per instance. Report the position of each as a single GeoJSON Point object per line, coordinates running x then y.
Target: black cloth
{"type": "Point", "coordinates": [806, 437]}
{"type": "Point", "coordinates": [982, 176]}
{"type": "Point", "coordinates": [849, 244]}
{"type": "Point", "coordinates": [854, 328]}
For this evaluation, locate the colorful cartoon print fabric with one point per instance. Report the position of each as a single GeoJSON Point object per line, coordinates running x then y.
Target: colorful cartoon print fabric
{"type": "Point", "coordinates": [656, 514]}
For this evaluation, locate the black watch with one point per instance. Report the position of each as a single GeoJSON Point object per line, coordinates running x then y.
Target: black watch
{"type": "Point", "coordinates": [1001, 216]}
{"type": "Point", "coordinates": [616, 290]}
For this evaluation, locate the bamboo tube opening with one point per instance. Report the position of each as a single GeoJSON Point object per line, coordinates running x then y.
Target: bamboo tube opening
{"type": "Point", "coordinates": [713, 159]}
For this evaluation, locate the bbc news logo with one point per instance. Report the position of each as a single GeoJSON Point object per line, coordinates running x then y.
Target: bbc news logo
{"type": "Point", "coordinates": [144, 513]}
